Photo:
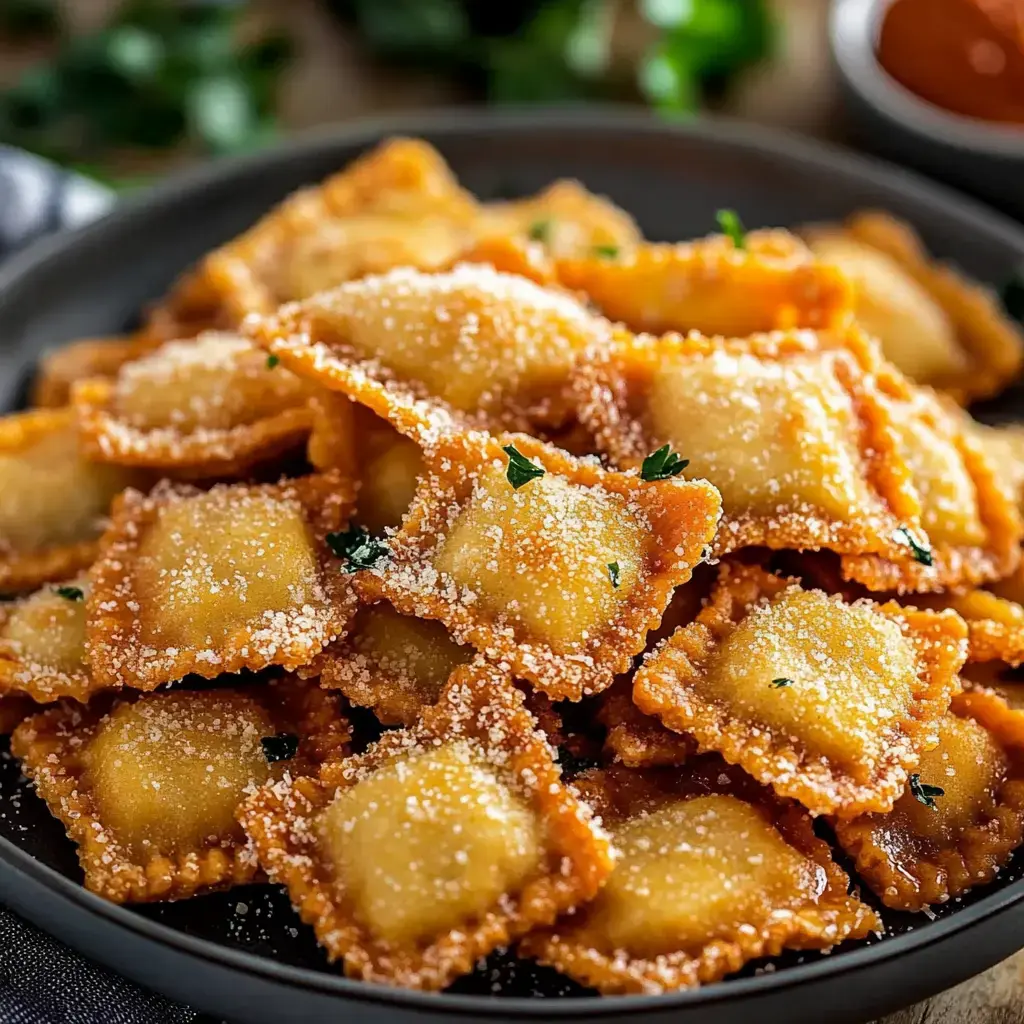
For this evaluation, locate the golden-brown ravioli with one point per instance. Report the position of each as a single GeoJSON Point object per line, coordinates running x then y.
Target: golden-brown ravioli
{"type": "Point", "coordinates": [53, 500]}
{"type": "Point", "coordinates": [394, 664]}
{"type": "Point", "coordinates": [971, 521]}
{"type": "Point", "coordinates": [559, 573]}
{"type": "Point", "coordinates": [86, 359]}
{"type": "Point", "coordinates": [488, 346]}
{"type": "Point", "coordinates": [42, 643]}
{"type": "Point", "coordinates": [438, 844]}
{"type": "Point", "coordinates": [711, 286]}
{"type": "Point", "coordinates": [960, 817]}
{"type": "Point", "coordinates": [213, 406]}
{"type": "Point", "coordinates": [208, 582]}
{"type": "Point", "coordinates": [787, 426]}
{"type": "Point", "coordinates": [937, 326]}
{"type": "Point", "coordinates": [830, 703]}
{"type": "Point", "coordinates": [148, 787]}
{"type": "Point", "coordinates": [566, 219]}
{"type": "Point", "coordinates": [711, 872]}
{"type": "Point", "coordinates": [399, 205]}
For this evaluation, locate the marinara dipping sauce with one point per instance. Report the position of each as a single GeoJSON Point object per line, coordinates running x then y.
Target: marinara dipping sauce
{"type": "Point", "coordinates": [964, 55]}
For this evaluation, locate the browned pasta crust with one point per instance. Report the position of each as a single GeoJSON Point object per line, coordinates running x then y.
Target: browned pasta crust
{"type": "Point", "coordinates": [818, 919]}
{"type": "Point", "coordinates": [72, 517]}
{"type": "Point", "coordinates": [54, 750]}
{"type": "Point", "coordinates": [679, 522]}
{"type": "Point", "coordinates": [995, 626]}
{"type": "Point", "coordinates": [42, 645]}
{"type": "Point", "coordinates": [382, 196]}
{"type": "Point", "coordinates": [613, 393]}
{"type": "Point", "coordinates": [393, 664]}
{"type": "Point", "coordinates": [712, 287]}
{"type": "Point", "coordinates": [993, 550]}
{"type": "Point", "coordinates": [992, 342]}
{"type": "Point", "coordinates": [243, 413]}
{"type": "Point", "coordinates": [86, 359]}
{"type": "Point", "coordinates": [486, 348]}
{"type": "Point", "coordinates": [672, 684]}
{"type": "Point", "coordinates": [282, 529]}
{"type": "Point", "coordinates": [635, 739]}
{"type": "Point", "coordinates": [479, 707]}
{"type": "Point", "coordinates": [909, 869]}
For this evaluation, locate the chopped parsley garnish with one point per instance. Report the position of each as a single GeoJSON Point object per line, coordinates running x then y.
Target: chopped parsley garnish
{"type": "Point", "coordinates": [272, 361]}
{"type": "Point", "coordinates": [540, 230]}
{"type": "Point", "coordinates": [921, 552]}
{"type": "Point", "coordinates": [924, 793]}
{"type": "Point", "coordinates": [70, 593]}
{"type": "Point", "coordinates": [613, 574]}
{"type": "Point", "coordinates": [662, 464]}
{"type": "Point", "coordinates": [778, 684]}
{"type": "Point", "coordinates": [358, 548]}
{"type": "Point", "coordinates": [1013, 294]}
{"type": "Point", "coordinates": [731, 225]}
{"type": "Point", "coordinates": [608, 252]}
{"type": "Point", "coordinates": [282, 747]}
{"type": "Point", "coordinates": [520, 469]}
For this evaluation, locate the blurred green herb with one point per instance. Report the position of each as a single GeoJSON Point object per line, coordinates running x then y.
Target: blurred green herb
{"type": "Point", "coordinates": [532, 51]}
{"type": "Point", "coordinates": [159, 74]}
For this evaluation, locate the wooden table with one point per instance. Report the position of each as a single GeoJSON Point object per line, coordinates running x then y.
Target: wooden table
{"type": "Point", "coordinates": [334, 81]}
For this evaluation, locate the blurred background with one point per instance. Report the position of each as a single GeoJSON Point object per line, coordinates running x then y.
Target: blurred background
{"type": "Point", "coordinates": [127, 91]}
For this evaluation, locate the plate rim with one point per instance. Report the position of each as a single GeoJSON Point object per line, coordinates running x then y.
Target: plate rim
{"type": "Point", "coordinates": [460, 121]}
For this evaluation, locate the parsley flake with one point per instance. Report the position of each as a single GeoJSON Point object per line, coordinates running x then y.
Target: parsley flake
{"type": "Point", "coordinates": [70, 593]}
{"type": "Point", "coordinates": [607, 252]}
{"type": "Point", "coordinates": [924, 793]}
{"type": "Point", "coordinates": [613, 574]}
{"type": "Point", "coordinates": [922, 552]}
{"type": "Point", "coordinates": [520, 469]}
{"type": "Point", "coordinates": [778, 684]}
{"type": "Point", "coordinates": [282, 747]}
{"type": "Point", "coordinates": [540, 231]}
{"type": "Point", "coordinates": [272, 361]}
{"type": "Point", "coordinates": [731, 225]}
{"type": "Point", "coordinates": [662, 464]}
{"type": "Point", "coordinates": [358, 548]}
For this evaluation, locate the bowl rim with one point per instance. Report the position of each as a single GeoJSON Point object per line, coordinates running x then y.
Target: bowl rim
{"type": "Point", "coordinates": [853, 28]}
{"type": "Point", "coordinates": [826, 159]}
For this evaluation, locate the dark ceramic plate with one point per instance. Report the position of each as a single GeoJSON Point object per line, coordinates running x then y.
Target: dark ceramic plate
{"type": "Point", "coordinates": [244, 955]}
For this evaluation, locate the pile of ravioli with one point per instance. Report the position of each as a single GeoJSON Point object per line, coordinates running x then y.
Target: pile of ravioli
{"type": "Point", "coordinates": [492, 577]}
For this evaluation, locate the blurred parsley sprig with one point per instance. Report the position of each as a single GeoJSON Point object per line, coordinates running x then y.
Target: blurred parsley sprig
{"type": "Point", "coordinates": [159, 74]}
{"type": "Point", "coordinates": [566, 50]}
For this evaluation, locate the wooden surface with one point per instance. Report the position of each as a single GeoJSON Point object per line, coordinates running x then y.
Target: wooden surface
{"type": "Point", "coordinates": [333, 81]}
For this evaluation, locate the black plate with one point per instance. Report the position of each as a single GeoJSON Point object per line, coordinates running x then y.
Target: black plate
{"type": "Point", "coordinates": [244, 955]}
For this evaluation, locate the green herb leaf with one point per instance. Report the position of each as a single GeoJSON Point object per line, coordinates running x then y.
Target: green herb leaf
{"type": "Point", "coordinates": [924, 793]}
{"type": "Point", "coordinates": [606, 252]}
{"type": "Point", "coordinates": [520, 469]}
{"type": "Point", "coordinates": [540, 230]}
{"type": "Point", "coordinates": [778, 684]}
{"type": "Point", "coordinates": [70, 593]}
{"type": "Point", "coordinates": [357, 548]}
{"type": "Point", "coordinates": [922, 552]}
{"type": "Point", "coordinates": [613, 574]}
{"type": "Point", "coordinates": [272, 361]}
{"type": "Point", "coordinates": [282, 747]}
{"type": "Point", "coordinates": [662, 464]}
{"type": "Point", "coordinates": [732, 226]}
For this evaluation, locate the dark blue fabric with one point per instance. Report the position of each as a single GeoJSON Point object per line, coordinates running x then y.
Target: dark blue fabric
{"type": "Point", "coordinates": [41, 981]}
